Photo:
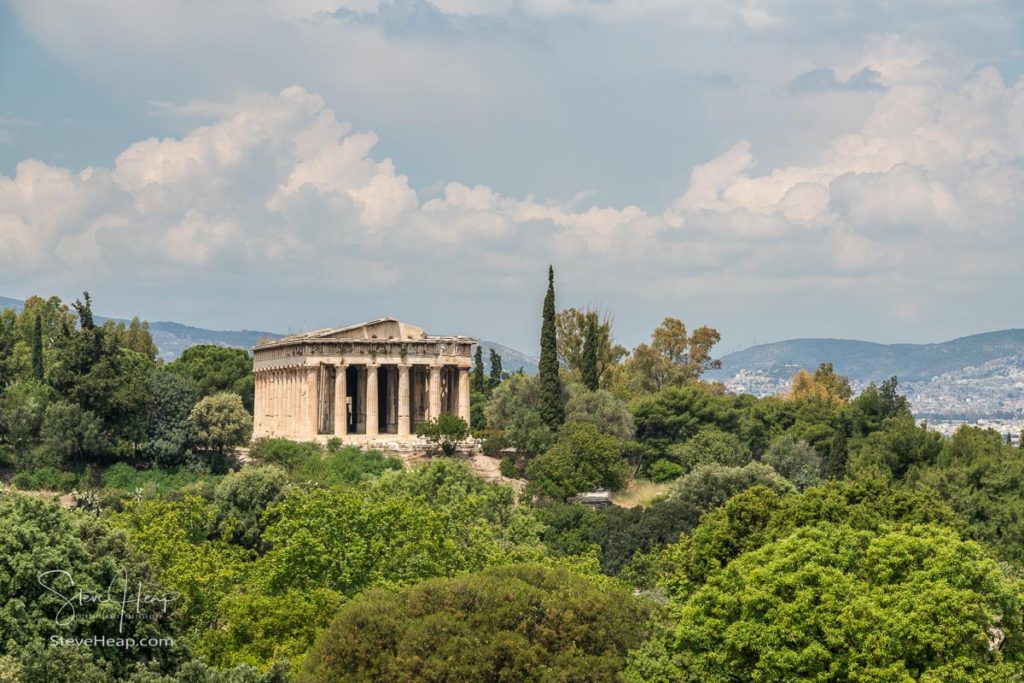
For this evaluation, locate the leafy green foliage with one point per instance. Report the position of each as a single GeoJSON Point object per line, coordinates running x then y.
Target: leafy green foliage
{"type": "Point", "coordinates": [760, 515]}
{"type": "Point", "coordinates": [38, 537]}
{"type": "Point", "coordinates": [74, 434]}
{"type": "Point", "coordinates": [220, 420]}
{"type": "Point", "coordinates": [666, 470]}
{"type": "Point", "coordinates": [217, 369]}
{"type": "Point", "coordinates": [524, 622]}
{"type": "Point", "coordinates": [22, 406]}
{"type": "Point", "coordinates": [241, 499]}
{"type": "Point", "coordinates": [834, 603]}
{"type": "Point", "coordinates": [604, 410]}
{"type": "Point", "coordinates": [582, 459]}
{"type": "Point", "coordinates": [551, 405]}
{"type": "Point", "coordinates": [514, 409]}
{"type": "Point", "coordinates": [169, 434]}
{"type": "Point", "coordinates": [796, 460]}
{"type": "Point", "coordinates": [981, 479]}
{"type": "Point", "coordinates": [710, 446]}
{"type": "Point", "coordinates": [444, 432]}
{"type": "Point", "coordinates": [333, 465]}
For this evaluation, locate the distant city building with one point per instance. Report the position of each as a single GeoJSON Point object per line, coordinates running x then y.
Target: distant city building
{"type": "Point", "coordinates": [374, 380]}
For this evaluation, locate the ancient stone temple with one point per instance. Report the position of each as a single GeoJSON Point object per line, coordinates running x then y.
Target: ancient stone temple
{"type": "Point", "coordinates": [376, 380]}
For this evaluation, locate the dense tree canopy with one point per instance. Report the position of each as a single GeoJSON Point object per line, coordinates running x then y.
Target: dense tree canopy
{"type": "Point", "coordinates": [516, 623]}
{"type": "Point", "coordinates": [832, 603]}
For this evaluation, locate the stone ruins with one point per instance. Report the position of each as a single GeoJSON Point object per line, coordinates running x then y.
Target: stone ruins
{"type": "Point", "coordinates": [375, 381]}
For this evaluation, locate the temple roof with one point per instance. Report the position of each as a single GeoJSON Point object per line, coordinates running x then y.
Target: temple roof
{"type": "Point", "coordinates": [382, 329]}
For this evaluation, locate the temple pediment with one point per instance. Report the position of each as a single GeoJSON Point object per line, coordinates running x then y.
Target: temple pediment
{"type": "Point", "coordinates": [382, 329]}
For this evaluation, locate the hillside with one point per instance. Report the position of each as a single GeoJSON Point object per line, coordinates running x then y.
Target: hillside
{"type": "Point", "coordinates": [981, 375]}
{"type": "Point", "coordinates": [868, 361]}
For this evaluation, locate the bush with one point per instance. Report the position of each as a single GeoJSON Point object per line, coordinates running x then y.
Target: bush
{"type": "Point", "coordinates": [289, 454]}
{"type": "Point", "coordinates": [516, 623]}
{"type": "Point", "coordinates": [348, 465]}
{"type": "Point", "coordinates": [494, 443]}
{"type": "Point", "coordinates": [510, 468]}
{"type": "Point", "coordinates": [221, 421]}
{"type": "Point", "coordinates": [242, 497]}
{"type": "Point", "coordinates": [710, 446]}
{"type": "Point", "coordinates": [666, 470]}
{"type": "Point", "coordinates": [45, 479]}
{"type": "Point", "coordinates": [73, 433]}
{"type": "Point", "coordinates": [123, 477]}
{"type": "Point", "coordinates": [444, 432]}
{"type": "Point", "coordinates": [582, 459]}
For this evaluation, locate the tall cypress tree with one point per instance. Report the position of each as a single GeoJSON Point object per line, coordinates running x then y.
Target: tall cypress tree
{"type": "Point", "coordinates": [496, 371]}
{"type": "Point", "coordinates": [37, 349]}
{"type": "Point", "coordinates": [551, 409]}
{"type": "Point", "coordinates": [588, 367]}
{"type": "Point", "coordinates": [477, 383]}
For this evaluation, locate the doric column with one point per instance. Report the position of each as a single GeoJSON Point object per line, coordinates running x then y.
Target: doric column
{"type": "Point", "coordinates": [464, 394]}
{"type": "Point", "coordinates": [403, 400]}
{"type": "Point", "coordinates": [340, 401]}
{"type": "Point", "coordinates": [372, 421]}
{"type": "Point", "coordinates": [435, 392]}
{"type": "Point", "coordinates": [312, 403]}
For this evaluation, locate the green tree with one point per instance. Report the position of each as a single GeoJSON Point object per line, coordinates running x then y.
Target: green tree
{"type": "Point", "coordinates": [552, 409]}
{"type": "Point", "coordinates": [478, 382]}
{"type": "Point", "coordinates": [518, 623]}
{"type": "Point", "coordinates": [169, 434]}
{"type": "Point", "coordinates": [796, 460]}
{"type": "Point", "coordinates": [444, 432]}
{"type": "Point", "coordinates": [833, 603]}
{"type": "Point", "coordinates": [892, 450]}
{"type": "Point", "coordinates": [22, 406]}
{"type": "Point", "coordinates": [241, 499]}
{"type": "Point", "coordinates": [39, 541]}
{"type": "Point", "coordinates": [709, 486]}
{"type": "Point", "coordinates": [573, 327]}
{"type": "Point", "coordinates": [220, 421]}
{"type": "Point", "coordinates": [216, 369]}
{"type": "Point", "coordinates": [672, 359]}
{"type": "Point", "coordinates": [710, 446]}
{"type": "Point", "coordinates": [74, 434]}
{"type": "Point", "coordinates": [600, 408]}
{"type": "Point", "coordinates": [873, 406]}
{"type": "Point", "coordinates": [135, 336]}
{"type": "Point", "coordinates": [496, 376]}
{"type": "Point", "coordinates": [582, 459]}
{"type": "Point", "coordinates": [515, 409]}
{"type": "Point", "coordinates": [37, 350]}
{"type": "Point", "coordinates": [588, 369]}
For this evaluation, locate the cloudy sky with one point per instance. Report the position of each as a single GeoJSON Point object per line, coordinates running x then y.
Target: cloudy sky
{"type": "Point", "coordinates": [773, 168]}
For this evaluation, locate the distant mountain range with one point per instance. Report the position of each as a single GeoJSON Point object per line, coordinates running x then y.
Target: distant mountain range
{"type": "Point", "coordinates": [172, 338]}
{"type": "Point", "coordinates": [977, 376]}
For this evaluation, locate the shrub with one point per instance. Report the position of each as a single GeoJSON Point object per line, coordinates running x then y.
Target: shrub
{"type": "Point", "coordinates": [221, 421]}
{"type": "Point", "coordinates": [666, 470]}
{"type": "Point", "coordinates": [348, 465]}
{"type": "Point", "coordinates": [710, 446]}
{"type": "Point", "coordinates": [444, 432]}
{"type": "Point", "coordinates": [494, 443]}
{"type": "Point", "coordinates": [289, 454]}
{"type": "Point", "coordinates": [510, 468]}
{"type": "Point", "coordinates": [45, 479]}
{"type": "Point", "coordinates": [582, 459]}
